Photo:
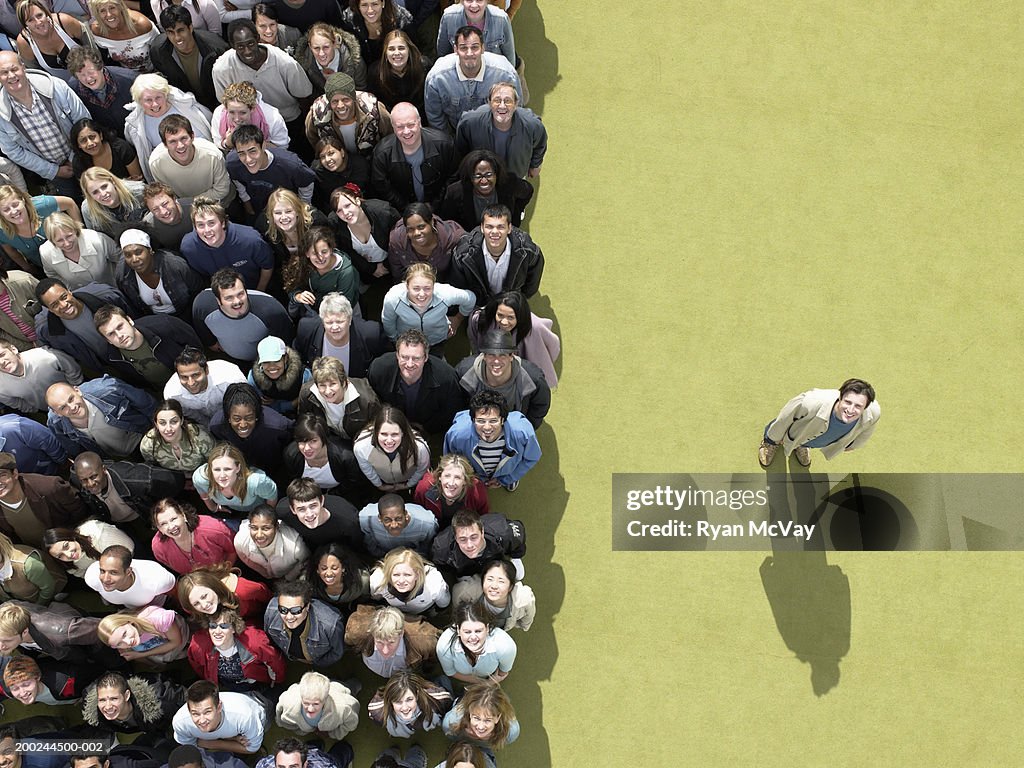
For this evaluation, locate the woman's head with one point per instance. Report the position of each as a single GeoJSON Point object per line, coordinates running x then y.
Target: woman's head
{"type": "Point", "coordinates": [419, 283]}
{"type": "Point", "coordinates": [112, 16]}
{"type": "Point", "coordinates": [88, 139]}
{"type": "Point", "coordinates": [318, 248]}
{"type": "Point", "coordinates": [322, 43]}
{"type": "Point", "coordinates": [202, 591]}
{"type": "Point", "coordinates": [375, 12]}
{"type": "Point", "coordinates": [400, 54]}
{"type": "Point", "coordinates": [507, 311]}
{"type": "Point", "coordinates": [169, 420]}
{"type": "Point", "coordinates": [61, 230]}
{"type": "Point", "coordinates": [453, 476]}
{"type": "Point", "coordinates": [123, 631]}
{"type": "Point", "coordinates": [385, 631]}
{"type": "Point", "coordinates": [330, 378]}
{"type": "Point", "coordinates": [314, 690]}
{"type": "Point", "coordinates": [390, 431]}
{"type": "Point", "coordinates": [406, 697]}
{"type": "Point", "coordinates": [310, 435]}
{"type": "Point", "coordinates": [404, 570]}
{"type": "Point", "coordinates": [347, 202]}
{"type": "Point", "coordinates": [227, 470]}
{"type": "Point", "coordinates": [34, 15]}
{"type": "Point", "coordinates": [332, 567]}
{"type": "Point", "coordinates": [223, 625]}
{"type": "Point", "coordinates": [485, 714]}
{"type": "Point", "coordinates": [242, 94]}
{"type": "Point", "coordinates": [482, 172]}
{"type": "Point", "coordinates": [104, 192]}
{"type": "Point", "coordinates": [152, 93]}
{"type": "Point", "coordinates": [16, 209]}
{"type": "Point", "coordinates": [264, 16]}
{"type": "Point", "coordinates": [497, 579]}
{"type": "Point", "coordinates": [462, 754]}
{"type": "Point", "coordinates": [68, 546]}
{"type": "Point", "coordinates": [243, 409]}
{"type": "Point", "coordinates": [286, 213]}
{"type": "Point", "coordinates": [472, 626]}
{"type": "Point", "coordinates": [171, 518]}
{"type": "Point", "coordinates": [263, 525]}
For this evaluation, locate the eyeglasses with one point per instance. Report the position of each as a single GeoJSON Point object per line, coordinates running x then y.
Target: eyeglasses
{"type": "Point", "coordinates": [295, 610]}
{"type": "Point", "coordinates": [482, 176]}
{"type": "Point", "coordinates": [221, 625]}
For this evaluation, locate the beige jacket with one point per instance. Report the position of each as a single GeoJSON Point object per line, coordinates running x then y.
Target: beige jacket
{"type": "Point", "coordinates": [22, 288]}
{"type": "Point", "coordinates": [522, 603]}
{"type": "Point", "coordinates": [340, 713]}
{"type": "Point", "coordinates": [806, 416]}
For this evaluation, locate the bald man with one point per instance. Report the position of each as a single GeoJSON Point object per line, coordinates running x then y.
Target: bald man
{"type": "Point", "coordinates": [414, 163]}
{"type": "Point", "coordinates": [121, 491]}
{"type": "Point", "coordinates": [103, 415]}
{"type": "Point", "coordinates": [31, 503]}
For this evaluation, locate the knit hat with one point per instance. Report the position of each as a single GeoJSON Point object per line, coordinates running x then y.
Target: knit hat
{"type": "Point", "coordinates": [19, 669]}
{"type": "Point", "coordinates": [497, 342]}
{"type": "Point", "coordinates": [134, 237]}
{"type": "Point", "coordinates": [339, 82]}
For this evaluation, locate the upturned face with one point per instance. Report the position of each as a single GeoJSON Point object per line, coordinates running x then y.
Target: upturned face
{"type": "Point", "coordinates": [321, 256]}
{"type": "Point", "coordinates": [389, 437]}
{"type": "Point", "coordinates": [113, 575]}
{"type": "Point", "coordinates": [452, 481]}
{"type": "Point", "coordinates": [10, 361]}
{"type": "Point", "coordinates": [496, 585]}
{"type": "Point", "coordinates": [420, 290]}
{"type": "Point", "coordinates": [68, 551]}
{"type": "Point", "coordinates": [308, 512]}
{"type": "Point", "coordinates": [470, 52]}
{"type": "Point", "coordinates": [470, 541]}
{"type": "Point", "coordinates": [403, 578]}
{"type": "Point", "coordinates": [323, 49]}
{"type": "Point", "coordinates": [113, 703]}
{"type": "Point", "coordinates": [483, 178]}
{"type": "Point", "coordinates": [234, 301]}
{"type": "Point", "coordinates": [247, 47]}
{"type": "Point", "coordinates": [164, 209]}
{"type": "Point", "coordinates": [12, 74]}
{"type": "Point", "coordinates": [121, 332]}
{"type": "Point", "coordinates": [482, 723]}
{"type": "Point", "coordinates": [332, 158]}
{"type": "Point", "coordinates": [203, 600]}
{"type": "Point", "coordinates": [171, 523]}
{"type": "Point", "coordinates": [488, 424]}
{"type": "Point", "coordinates": [225, 472]}
{"type": "Point", "coordinates": [168, 424]}
{"type": "Point", "coordinates": [505, 318]}
{"type": "Point", "coordinates": [330, 570]}
{"type": "Point", "coordinates": [242, 420]}
{"type": "Point", "coordinates": [193, 378]}
{"type": "Point", "coordinates": [344, 107]}
{"type": "Point", "coordinates": [311, 449]}
{"type": "Point", "coordinates": [336, 327]}
{"type": "Point", "coordinates": [13, 209]}
{"type": "Point", "coordinates": [406, 707]}
{"type": "Point", "coordinates": [312, 707]}
{"type": "Point", "coordinates": [91, 142]}
{"type": "Point", "coordinates": [238, 113]}
{"type": "Point", "coordinates": [267, 29]}
{"type": "Point", "coordinates": [154, 103]}
{"type": "Point", "coordinates": [284, 216]}
{"type": "Point", "coordinates": [397, 54]}
{"type": "Point", "coordinates": [411, 360]}
{"type": "Point", "coordinates": [110, 15]}
{"type": "Point", "coordinates": [474, 10]}
{"type": "Point", "coordinates": [91, 76]}
{"type": "Point", "coordinates": [503, 105]}
{"type": "Point", "coordinates": [205, 714]}
{"type": "Point", "coordinates": [37, 21]}
{"type": "Point", "coordinates": [67, 402]}
{"type": "Point", "coordinates": [211, 229]}
{"type": "Point", "coordinates": [26, 691]}
{"type": "Point", "coordinates": [394, 520]}
{"type": "Point", "coordinates": [138, 258]}
{"type": "Point", "coordinates": [263, 530]}
{"type": "Point", "coordinates": [473, 635]}
{"type": "Point", "coordinates": [181, 38]}
{"type": "Point", "coordinates": [371, 10]}
{"type": "Point", "coordinates": [286, 608]}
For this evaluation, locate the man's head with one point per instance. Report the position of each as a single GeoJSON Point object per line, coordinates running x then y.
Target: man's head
{"type": "Point", "coordinates": [248, 140]}
{"type": "Point", "coordinates": [293, 598]}
{"type": "Point", "coordinates": [204, 706]}
{"type": "Point", "coordinates": [497, 348]}
{"type": "Point", "coordinates": [116, 327]}
{"type": "Point", "coordinates": [229, 289]}
{"type": "Point", "coordinates": [336, 316]}
{"type": "Point", "coordinates": [340, 90]}
{"type": "Point", "coordinates": [405, 121]}
{"type": "Point", "coordinates": [89, 761]}
{"type": "Point", "coordinates": [855, 395]}
{"type": "Point", "coordinates": [10, 757]}
{"type": "Point", "coordinates": [12, 74]}
{"type": "Point", "coordinates": [244, 39]}
{"type": "Point", "coordinates": [306, 500]}
{"type": "Point", "coordinates": [193, 370]}
{"type": "Point", "coordinates": [115, 568]}
{"type": "Point", "coordinates": [177, 135]}
{"type": "Point", "coordinates": [469, 533]}
{"type": "Point", "coordinates": [91, 473]}
{"type": "Point", "coordinates": [113, 696]}
{"type": "Point", "coordinates": [290, 753]}
{"type": "Point", "coordinates": [86, 66]}
{"type": "Point", "coordinates": [496, 224]}
{"type": "Point", "coordinates": [23, 679]}
{"type": "Point", "coordinates": [67, 401]}
{"type": "Point", "coordinates": [210, 221]}
{"type": "Point", "coordinates": [137, 250]}
{"type": "Point", "coordinates": [503, 100]}
{"type": "Point", "coordinates": [469, 47]}
{"type": "Point", "coordinates": [58, 299]}
{"type": "Point", "coordinates": [392, 513]}
{"type": "Point", "coordinates": [10, 359]}
{"type": "Point", "coordinates": [14, 624]}
{"type": "Point", "coordinates": [177, 24]}
{"type": "Point", "coordinates": [488, 409]}
{"type": "Point", "coordinates": [162, 202]}
{"type": "Point", "coordinates": [10, 486]}
{"type": "Point", "coordinates": [411, 350]}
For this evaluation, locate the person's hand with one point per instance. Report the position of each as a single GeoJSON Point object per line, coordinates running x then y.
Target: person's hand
{"type": "Point", "coordinates": [130, 655]}
{"type": "Point", "coordinates": [305, 297]}
{"type": "Point", "coordinates": [492, 484]}
{"type": "Point", "coordinates": [229, 6]}
{"type": "Point", "coordinates": [240, 738]}
{"type": "Point", "coordinates": [65, 172]}
{"type": "Point", "coordinates": [267, 400]}
{"type": "Point", "coordinates": [381, 270]}
{"type": "Point", "coordinates": [534, 173]}
{"type": "Point", "coordinates": [498, 676]}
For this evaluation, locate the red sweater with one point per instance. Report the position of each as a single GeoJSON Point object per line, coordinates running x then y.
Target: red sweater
{"type": "Point", "coordinates": [212, 542]}
{"type": "Point", "coordinates": [267, 665]}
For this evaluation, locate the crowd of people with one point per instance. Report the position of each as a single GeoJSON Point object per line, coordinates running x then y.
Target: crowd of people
{"type": "Point", "coordinates": [243, 244]}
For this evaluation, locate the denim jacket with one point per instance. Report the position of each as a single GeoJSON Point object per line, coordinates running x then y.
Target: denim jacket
{"type": "Point", "coordinates": [325, 642]}
{"type": "Point", "coordinates": [123, 406]}
{"type": "Point", "coordinates": [446, 97]}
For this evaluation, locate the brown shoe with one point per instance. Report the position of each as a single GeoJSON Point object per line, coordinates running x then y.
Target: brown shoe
{"type": "Point", "coordinates": [766, 453]}
{"type": "Point", "coordinates": [803, 456]}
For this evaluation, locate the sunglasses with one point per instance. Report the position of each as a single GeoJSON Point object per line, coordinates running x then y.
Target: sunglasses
{"type": "Point", "coordinates": [295, 610]}
{"type": "Point", "coordinates": [222, 625]}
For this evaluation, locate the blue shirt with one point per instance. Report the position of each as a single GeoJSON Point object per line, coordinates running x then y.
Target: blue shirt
{"type": "Point", "coordinates": [418, 534]}
{"type": "Point", "coordinates": [243, 249]}
{"type": "Point", "coordinates": [837, 429]}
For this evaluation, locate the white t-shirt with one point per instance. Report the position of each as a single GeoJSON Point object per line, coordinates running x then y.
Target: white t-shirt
{"type": "Point", "coordinates": [151, 585]}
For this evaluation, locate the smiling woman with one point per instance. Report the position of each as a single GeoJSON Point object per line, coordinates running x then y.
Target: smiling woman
{"type": "Point", "coordinates": [21, 228]}
{"type": "Point", "coordinates": [76, 549]}
{"type": "Point", "coordinates": [111, 205]}
{"type": "Point", "coordinates": [184, 539]}
{"type": "Point", "coordinates": [122, 33]}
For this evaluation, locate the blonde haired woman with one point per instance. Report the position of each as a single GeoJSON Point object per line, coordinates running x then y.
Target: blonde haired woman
{"type": "Point", "coordinates": [110, 205]}
{"type": "Point", "coordinates": [227, 483]}
{"type": "Point", "coordinates": [21, 224]}
{"type": "Point", "coordinates": [152, 634]}
{"type": "Point", "coordinates": [288, 221]}
{"type": "Point", "coordinates": [122, 33]}
{"type": "Point", "coordinates": [404, 580]}
{"type": "Point", "coordinates": [75, 255]}
{"type": "Point", "coordinates": [318, 705]}
{"type": "Point", "coordinates": [242, 104]}
{"type": "Point", "coordinates": [26, 575]}
{"type": "Point", "coordinates": [155, 99]}
{"type": "Point", "coordinates": [421, 303]}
